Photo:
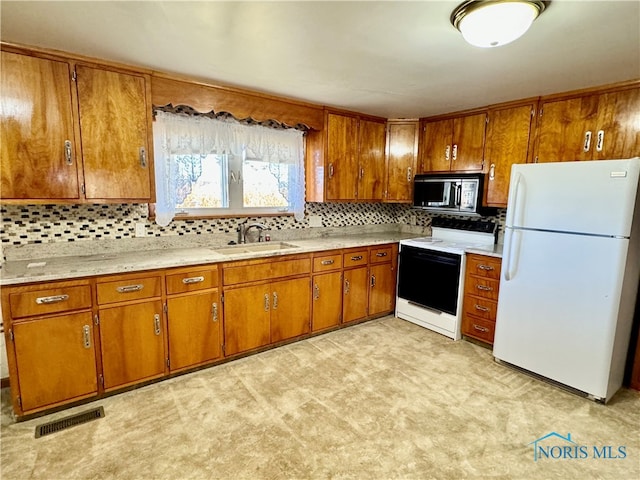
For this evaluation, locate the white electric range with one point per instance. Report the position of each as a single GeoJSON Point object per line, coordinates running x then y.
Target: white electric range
{"type": "Point", "coordinates": [431, 273]}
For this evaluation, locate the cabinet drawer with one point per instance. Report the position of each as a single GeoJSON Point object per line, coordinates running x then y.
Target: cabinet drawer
{"type": "Point", "coordinates": [381, 254]}
{"type": "Point", "coordinates": [355, 258]}
{"type": "Point", "coordinates": [482, 287]}
{"type": "Point", "coordinates": [478, 328]}
{"type": "Point", "coordinates": [327, 263]}
{"type": "Point", "coordinates": [234, 275]}
{"type": "Point", "coordinates": [50, 300]}
{"type": "Point", "coordinates": [480, 308]}
{"type": "Point", "coordinates": [192, 280]}
{"type": "Point", "coordinates": [129, 289]}
{"type": "Point", "coordinates": [483, 266]}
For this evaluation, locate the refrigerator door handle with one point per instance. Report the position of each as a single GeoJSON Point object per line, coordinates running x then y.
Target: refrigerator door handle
{"type": "Point", "coordinates": [511, 212]}
{"type": "Point", "coordinates": [512, 250]}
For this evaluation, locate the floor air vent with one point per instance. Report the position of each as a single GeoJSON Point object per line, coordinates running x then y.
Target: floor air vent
{"type": "Point", "coordinates": [67, 422]}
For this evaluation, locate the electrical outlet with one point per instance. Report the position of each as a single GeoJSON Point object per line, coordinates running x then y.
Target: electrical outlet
{"type": "Point", "coordinates": [141, 229]}
{"type": "Point", "coordinates": [315, 221]}
{"type": "Point", "coordinates": [412, 220]}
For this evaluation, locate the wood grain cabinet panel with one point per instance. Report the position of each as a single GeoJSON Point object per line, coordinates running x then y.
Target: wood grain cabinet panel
{"type": "Point", "coordinates": [435, 154]}
{"type": "Point", "coordinates": [39, 152]}
{"type": "Point", "coordinates": [327, 301]}
{"type": "Point", "coordinates": [342, 157]}
{"type": "Point", "coordinates": [382, 283]}
{"type": "Point", "coordinates": [290, 308]}
{"type": "Point", "coordinates": [56, 360]}
{"type": "Point", "coordinates": [508, 138]}
{"type": "Point", "coordinates": [402, 155]}
{"type": "Point", "coordinates": [113, 120]}
{"type": "Point", "coordinates": [619, 122]}
{"type": "Point", "coordinates": [194, 329]}
{"type": "Point", "coordinates": [356, 294]}
{"type": "Point", "coordinates": [128, 288]}
{"type": "Point", "coordinates": [132, 343]}
{"type": "Point", "coordinates": [371, 174]}
{"type": "Point", "coordinates": [60, 298]}
{"type": "Point", "coordinates": [247, 314]}
{"type": "Point", "coordinates": [480, 302]}
{"type": "Point", "coordinates": [192, 280]}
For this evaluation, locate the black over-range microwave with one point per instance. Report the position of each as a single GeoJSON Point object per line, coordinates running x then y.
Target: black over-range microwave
{"type": "Point", "coordinates": [459, 193]}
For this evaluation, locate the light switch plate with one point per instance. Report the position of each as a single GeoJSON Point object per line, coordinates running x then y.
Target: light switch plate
{"type": "Point", "coordinates": [315, 221]}
{"type": "Point", "coordinates": [141, 229]}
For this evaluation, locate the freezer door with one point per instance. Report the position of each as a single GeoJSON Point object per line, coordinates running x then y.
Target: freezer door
{"type": "Point", "coordinates": [558, 306]}
{"type": "Point", "coordinates": [595, 197]}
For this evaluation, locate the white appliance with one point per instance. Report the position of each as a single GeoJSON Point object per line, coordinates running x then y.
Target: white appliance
{"type": "Point", "coordinates": [570, 272]}
{"type": "Point", "coordinates": [431, 273]}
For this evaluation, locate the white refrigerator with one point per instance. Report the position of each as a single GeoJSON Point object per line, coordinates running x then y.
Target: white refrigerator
{"type": "Point", "coordinates": [570, 272]}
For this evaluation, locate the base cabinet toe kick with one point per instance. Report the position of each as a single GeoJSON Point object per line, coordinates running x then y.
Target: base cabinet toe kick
{"type": "Point", "coordinates": [72, 341]}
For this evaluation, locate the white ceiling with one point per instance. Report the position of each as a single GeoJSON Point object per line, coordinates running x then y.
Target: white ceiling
{"type": "Point", "coordinates": [393, 59]}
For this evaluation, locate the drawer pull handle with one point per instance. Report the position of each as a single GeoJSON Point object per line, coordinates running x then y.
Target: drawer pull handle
{"type": "Point", "coordinates": [130, 288]}
{"type": "Point", "coordinates": [214, 311]}
{"type": "Point", "coordinates": [275, 300]}
{"type": "Point", "coordinates": [486, 268]}
{"type": "Point", "coordinates": [316, 292]}
{"type": "Point", "coordinates": [266, 302]}
{"type": "Point", "coordinates": [86, 337]}
{"type": "Point", "coordinates": [52, 299]}
{"type": "Point", "coordinates": [327, 262]}
{"type": "Point", "coordinates": [156, 323]}
{"type": "Point", "coordinates": [356, 258]}
{"type": "Point", "coordinates": [381, 254]}
{"type": "Point", "coordinates": [484, 288]}
{"type": "Point", "coordinates": [189, 280]}
{"type": "Point", "coordinates": [480, 329]}
{"type": "Point", "coordinates": [481, 308]}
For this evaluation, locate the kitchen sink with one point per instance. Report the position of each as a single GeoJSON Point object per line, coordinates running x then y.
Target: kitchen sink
{"type": "Point", "coordinates": [255, 248]}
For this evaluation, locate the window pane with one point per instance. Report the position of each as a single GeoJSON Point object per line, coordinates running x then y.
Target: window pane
{"type": "Point", "coordinates": [265, 184]}
{"type": "Point", "coordinates": [202, 181]}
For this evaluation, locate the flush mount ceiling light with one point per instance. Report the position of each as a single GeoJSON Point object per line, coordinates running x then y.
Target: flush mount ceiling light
{"type": "Point", "coordinates": [486, 23]}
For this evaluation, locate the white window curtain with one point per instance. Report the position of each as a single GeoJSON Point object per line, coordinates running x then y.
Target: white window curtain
{"type": "Point", "coordinates": [176, 134]}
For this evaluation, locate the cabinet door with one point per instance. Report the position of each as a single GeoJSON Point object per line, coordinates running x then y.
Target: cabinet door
{"type": "Point", "coordinates": [194, 324]}
{"type": "Point", "coordinates": [342, 162]}
{"type": "Point", "coordinates": [435, 154]}
{"type": "Point", "coordinates": [617, 132]}
{"type": "Point", "coordinates": [132, 339]}
{"type": "Point", "coordinates": [246, 318]}
{"type": "Point", "coordinates": [467, 150]}
{"type": "Point", "coordinates": [290, 309]}
{"type": "Point", "coordinates": [56, 359]}
{"type": "Point", "coordinates": [382, 288]}
{"type": "Point", "coordinates": [508, 134]}
{"type": "Point", "coordinates": [564, 127]}
{"type": "Point", "coordinates": [371, 159]}
{"type": "Point", "coordinates": [402, 153]}
{"type": "Point", "coordinates": [113, 120]}
{"type": "Point", "coordinates": [355, 298]}
{"type": "Point", "coordinates": [327, 301]}
{"type": "Point", "coordinates": [37, 120]}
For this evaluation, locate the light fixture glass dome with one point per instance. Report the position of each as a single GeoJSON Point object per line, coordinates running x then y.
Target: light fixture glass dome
{"type": "Point", "coordinates": [490, 24]}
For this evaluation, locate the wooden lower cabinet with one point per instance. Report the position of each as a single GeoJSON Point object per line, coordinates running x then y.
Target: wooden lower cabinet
{"type": "Point", "coordinates": [194, 329]}
{"type": "Point", "coordinates": [247, 315]}
{"type": "Point", "coordinates": [480, 304]}
{"type": "Point", "coordinates": [382, 288]}
{"type": "Point", "coordinates": [327, 301]}
{"type": "Point", "coordinates": [290, 308]}
{"type": "Point", "coordinates": [356, 294]}
{"type": "Point", "coordinates": [132, 343]}
{"type": "Point", "coordinates": [55, 359]}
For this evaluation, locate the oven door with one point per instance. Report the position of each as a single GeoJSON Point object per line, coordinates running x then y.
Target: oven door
{"type": "Point", "coordinates": [429, 278]}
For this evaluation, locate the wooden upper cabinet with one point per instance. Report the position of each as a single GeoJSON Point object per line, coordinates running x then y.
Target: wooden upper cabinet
{"type": "Point", "coordinates": [371, 175]}
{"type": "Point", "coordinates": [342, 160]}
{"type": "Point", "coordinates": [113, 121]}
{"type": "Point", "coordinates": [455, 144]}
{"type": "Point", "coordinates": [508, 135]}
{"type": "Point", "coordinates": [596, 126]}
{"type": "Point", "coordinates": [402, 152]}
{"type": "Point", "coordinates": [39, 153]}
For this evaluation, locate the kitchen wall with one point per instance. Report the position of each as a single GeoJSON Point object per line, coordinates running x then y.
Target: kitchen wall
{"type": "Point", "coordinates": [54, 224]}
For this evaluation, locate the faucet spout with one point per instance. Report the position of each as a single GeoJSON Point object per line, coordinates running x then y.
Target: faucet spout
{"type": "Point", "coordinates": [244, 229]}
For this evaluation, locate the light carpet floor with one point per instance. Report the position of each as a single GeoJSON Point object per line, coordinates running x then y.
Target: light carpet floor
{"type": "Point", "coordinates": [380, 400]}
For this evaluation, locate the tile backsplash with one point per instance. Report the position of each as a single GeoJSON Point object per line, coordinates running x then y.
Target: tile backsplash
{"type": "Point", "coordinates": [46, 224]}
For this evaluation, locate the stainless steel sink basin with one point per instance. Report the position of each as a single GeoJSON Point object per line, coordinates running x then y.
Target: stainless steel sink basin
{"type": "Point", "coordinates": [255, 248]}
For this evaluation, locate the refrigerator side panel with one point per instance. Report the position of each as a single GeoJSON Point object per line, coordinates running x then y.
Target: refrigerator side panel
{"type": "Point", "coordinates": [558, 306]}
{"type": "Point", "coordinates": [594, 197]}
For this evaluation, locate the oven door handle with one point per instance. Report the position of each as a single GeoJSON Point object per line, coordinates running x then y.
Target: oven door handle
{"type": "Point", "coordinates": [428, 255]}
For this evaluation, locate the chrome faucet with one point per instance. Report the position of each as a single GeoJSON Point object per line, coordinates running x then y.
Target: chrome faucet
{"type": "Point", "coordinates": [243, 229]}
